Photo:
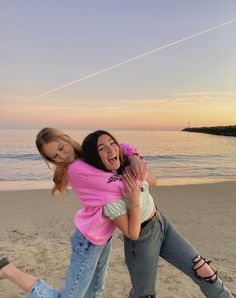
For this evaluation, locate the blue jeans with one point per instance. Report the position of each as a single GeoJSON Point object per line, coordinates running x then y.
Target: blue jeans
{"type": "Point", "coordinates": [86, 273]}
{"type": "Point", "coordinates": [159, 238]}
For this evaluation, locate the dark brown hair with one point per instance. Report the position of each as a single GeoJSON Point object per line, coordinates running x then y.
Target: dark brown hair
{"type": "Point", "coordinates": [90, 150]}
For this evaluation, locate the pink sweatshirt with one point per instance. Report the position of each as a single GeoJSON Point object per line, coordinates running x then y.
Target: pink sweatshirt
{"type": "Point", "coordinates": [95, 188]}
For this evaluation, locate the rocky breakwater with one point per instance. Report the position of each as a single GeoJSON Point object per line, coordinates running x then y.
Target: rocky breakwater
{"type": "Point", "coordinates": [215, 130]}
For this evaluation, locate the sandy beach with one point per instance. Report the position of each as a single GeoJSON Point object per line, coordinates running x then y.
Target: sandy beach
{"type": "Point", "coordinates": [36, 230]}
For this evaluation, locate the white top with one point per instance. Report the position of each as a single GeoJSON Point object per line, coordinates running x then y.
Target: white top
{"type": "Point", "coordinates": [121, 206]}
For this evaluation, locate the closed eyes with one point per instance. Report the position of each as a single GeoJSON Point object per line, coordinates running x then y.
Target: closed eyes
{"type": "Point", "coordinates": [60, 148]}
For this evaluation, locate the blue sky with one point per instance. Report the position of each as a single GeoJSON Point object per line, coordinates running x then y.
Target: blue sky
{"type": "Point", "coordinates": [46, 44]}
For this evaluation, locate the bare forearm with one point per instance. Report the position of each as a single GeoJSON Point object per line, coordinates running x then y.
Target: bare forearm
{"type": "Point", "coordinates": [151, 179]}
{"type": "Point", "coordinates": [129, 224]}
{"type": "Point", "coordinates": [134, 222]}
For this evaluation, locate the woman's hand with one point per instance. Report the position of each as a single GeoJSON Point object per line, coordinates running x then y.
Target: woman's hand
{"type": "Point", "coordinates": [129, 223]}
{"type": "Point", "coordinates": [131, 190]}
{"type": "Point", "coordinates": [138, 167]}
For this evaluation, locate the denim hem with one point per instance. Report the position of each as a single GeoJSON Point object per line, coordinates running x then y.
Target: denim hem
{"type": "Point", "coordinates": [33, 287]}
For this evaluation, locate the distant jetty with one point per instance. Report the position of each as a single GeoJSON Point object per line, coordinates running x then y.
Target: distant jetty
{"type": "Point", "coordinates": [214, 130]}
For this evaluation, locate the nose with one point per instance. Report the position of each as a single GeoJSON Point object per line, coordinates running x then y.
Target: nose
{"type": "Point", "coordinates": [109, 149]}
{"type": "Point", "coordinates": [62, 155]}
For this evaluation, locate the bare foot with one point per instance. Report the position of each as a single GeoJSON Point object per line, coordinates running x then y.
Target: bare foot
{"type": "Point", "coordinates": [3, 264]}
{"type": "Point", "coordinates": [3, 273]}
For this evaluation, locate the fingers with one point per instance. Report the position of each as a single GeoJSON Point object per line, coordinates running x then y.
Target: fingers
{"type": "Point", "coordinates": [131, 189]}
{"type": "Point", "coordinates": [128, 171]}
{"type": "Point", "coordinates": [140, 173]}
{"type": "Point", "coordinates": [138, 167]}
{"type": "Point", "coordinates": [129, 180]}
{"type": "Point", "coordinates": [139, 170]}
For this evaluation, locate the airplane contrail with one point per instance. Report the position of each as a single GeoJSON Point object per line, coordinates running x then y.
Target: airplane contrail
{"type": "Point", "coordinates": [133, 59]}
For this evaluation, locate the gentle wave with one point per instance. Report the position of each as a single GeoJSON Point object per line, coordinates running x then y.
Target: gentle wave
{"type": "Point", "coordinates": [25, 178]}
{"type": "Point", "coordinates": [182, 156]}
{"type": "Point", "coordinates": [147, 157]}
{"type": "Point", "coordinates": [20, 156]}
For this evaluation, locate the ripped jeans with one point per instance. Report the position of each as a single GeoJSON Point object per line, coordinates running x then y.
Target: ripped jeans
{"type": "Point", "coordinates": [159, 238]}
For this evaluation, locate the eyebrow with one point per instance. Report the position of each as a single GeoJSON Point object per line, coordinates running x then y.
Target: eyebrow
{"type": "Point", "coordinates": [104, 144]}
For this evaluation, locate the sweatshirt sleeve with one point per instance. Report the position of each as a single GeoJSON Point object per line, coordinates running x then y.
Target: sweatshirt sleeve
{"type": "Point", "coordinates": [128, 150]}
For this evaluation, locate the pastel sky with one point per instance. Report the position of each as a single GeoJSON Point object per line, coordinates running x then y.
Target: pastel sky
{"type": "Point", "coordinates": [46, 44]}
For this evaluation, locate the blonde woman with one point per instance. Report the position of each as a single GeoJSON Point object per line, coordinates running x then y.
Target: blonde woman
{"type": "Point", "coordinates": [91, 241]}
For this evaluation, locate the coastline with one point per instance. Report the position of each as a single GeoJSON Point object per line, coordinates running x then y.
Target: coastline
{"type": "Point", "coordinates": [36, 230]}
{"type": "Point", "coordinates": [34, 185]}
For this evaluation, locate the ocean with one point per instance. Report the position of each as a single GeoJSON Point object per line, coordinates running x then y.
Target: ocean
{"type": "Point", "coordinates": [175, 157]}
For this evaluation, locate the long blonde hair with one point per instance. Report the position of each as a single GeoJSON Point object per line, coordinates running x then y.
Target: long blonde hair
{"type": "Point", "coordinates": [47, 135]}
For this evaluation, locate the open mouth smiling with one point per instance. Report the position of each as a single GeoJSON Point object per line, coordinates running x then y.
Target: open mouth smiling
{"type": "Point", "coordinates": [113, 158]}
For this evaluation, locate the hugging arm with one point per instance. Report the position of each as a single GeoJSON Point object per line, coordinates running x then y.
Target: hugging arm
{"type": "Point", "coordinates": [151, 179]}
{"type": "Point", "coordinates": [137, 163]}
{"type": "Point", "coordinates": [130, 223]}
{"type": "Point", "coordinates": [138, 167]}
{"type": "Point", "coordinates": [127, 224]}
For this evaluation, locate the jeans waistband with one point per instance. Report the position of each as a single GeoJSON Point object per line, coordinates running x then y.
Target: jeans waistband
{"type": "Point", "coordinates": [155, 216]}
